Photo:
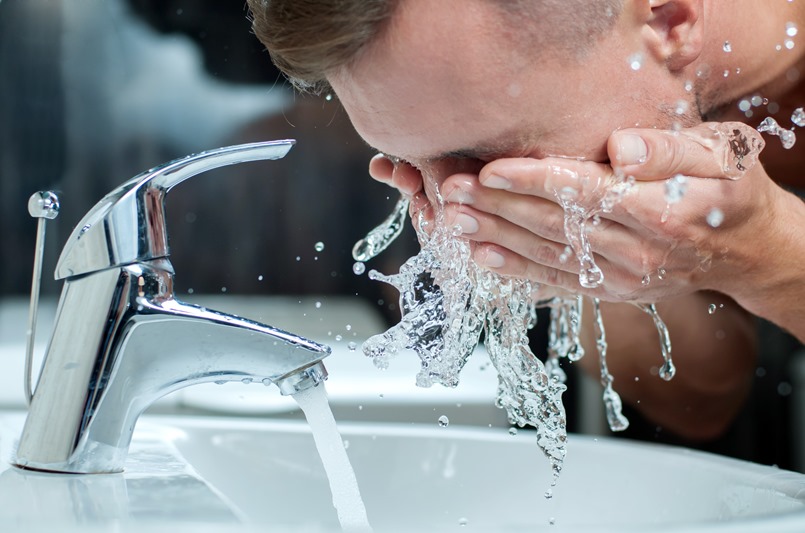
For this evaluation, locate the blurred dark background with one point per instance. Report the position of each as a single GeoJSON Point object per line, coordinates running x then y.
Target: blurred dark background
{"type": "Point", "coordinates": [94, 92]}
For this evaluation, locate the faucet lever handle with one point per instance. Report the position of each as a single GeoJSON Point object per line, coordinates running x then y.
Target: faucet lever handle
{"type": "Point", "coordinates": [128, 224]}
{"type": "Point", "coordinates": [43, 205]}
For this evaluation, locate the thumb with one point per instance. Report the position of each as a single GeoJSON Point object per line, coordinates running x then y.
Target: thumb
{"type": "Point", "coordinates": [710, 150]}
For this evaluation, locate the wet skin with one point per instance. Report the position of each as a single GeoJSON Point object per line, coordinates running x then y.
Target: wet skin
{"type": "Point", "coordinates": [434, 92]}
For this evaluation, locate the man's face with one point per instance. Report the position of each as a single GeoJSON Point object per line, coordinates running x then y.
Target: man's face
{"type": "Point", "coordinates": [450, 81]}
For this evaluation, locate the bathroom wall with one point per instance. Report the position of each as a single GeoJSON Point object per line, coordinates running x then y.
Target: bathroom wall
{"type": "Point", "coordinates": [94, 94]}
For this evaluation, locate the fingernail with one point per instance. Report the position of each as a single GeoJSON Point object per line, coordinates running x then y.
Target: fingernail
{"type": "Point", "coordinates": [497, 182]}
{"type": "Point", "coordinates": [459, 196]}
{"type": "Point", "coordinates": [489, 258]}
{"type": "Point", "coordinates": [467, 223]}
{"type": "Point", "coordinates": [632, 150]}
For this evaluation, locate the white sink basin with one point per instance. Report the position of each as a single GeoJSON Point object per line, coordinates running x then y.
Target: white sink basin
{"type": "Point", "coordinates": [235, 474]}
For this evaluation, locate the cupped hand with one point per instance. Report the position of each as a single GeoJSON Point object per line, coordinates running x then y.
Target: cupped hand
{"type": "Point", "coordinates": [648, 246]}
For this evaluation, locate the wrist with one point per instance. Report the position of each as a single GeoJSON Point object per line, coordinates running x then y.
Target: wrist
{"type": "Point", "coordinates": [767, 277]}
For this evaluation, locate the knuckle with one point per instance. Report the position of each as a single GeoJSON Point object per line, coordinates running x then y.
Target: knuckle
{"type": "Point", "coordinates": [672, 156]}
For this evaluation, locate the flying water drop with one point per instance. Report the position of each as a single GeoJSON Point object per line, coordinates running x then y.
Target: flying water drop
{"type": "Point", "coordinates": [798, 117]}
{"type": "Point", "coordinates": [383, 235]}
{"type": "Point", "coordinates": [770, 126]}
{"type": "Point", "coordinates": [715, 217]}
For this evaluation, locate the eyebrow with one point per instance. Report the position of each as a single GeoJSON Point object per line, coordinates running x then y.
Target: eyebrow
{"type": "Point", "coordinates": [506, 145]}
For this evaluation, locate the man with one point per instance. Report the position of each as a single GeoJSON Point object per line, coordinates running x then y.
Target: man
{"type": "Point", "coordinates": [501, 100]}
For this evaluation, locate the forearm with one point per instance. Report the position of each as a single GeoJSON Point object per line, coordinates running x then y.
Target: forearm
{"type": "Point", "coordinates": [714, 354]}
{"type": "Point", "coordinates": [771, 283]}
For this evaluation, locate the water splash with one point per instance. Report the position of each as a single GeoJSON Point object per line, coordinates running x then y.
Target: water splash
{"type": "Point", "coordinates": [589, 197]}
{"type": "Point", "coordinates": [447, 301]}
{"type": "Point", "coordinates": [383, 235]}
{"type": "Point", "coordinates": [770, 126]}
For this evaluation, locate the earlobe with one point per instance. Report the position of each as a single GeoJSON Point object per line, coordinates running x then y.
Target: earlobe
{"type": "Point", "coordinates": [674, 31]}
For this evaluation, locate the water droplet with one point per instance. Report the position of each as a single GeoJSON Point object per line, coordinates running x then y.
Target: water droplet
{"type": "Point", "coordinates": [298, 258]}
{"type": "Point", "coordinates": [675, 188]}
{"type": "Point", "coordinates": [715, 217]}
{"type": "Point", "coordinates": [668, 371]}
{"type": "Point", "coordinates": [726, 73]}
{"type": "Point", "coordinates": [688, 86]}
{"type": "Point", "coordinates": [646, 280]}
{"type": "Point", "coordinates": [444, 421]}
{"type": "Point", "coordinates": [565, 255]}
{"type": "Point", "coordinates": [548, 494]}
{"type": "Point", "coordinates": [512, 431]}
{"type": "Point", "coordinates": [552, 521]}
{"type": "Point", "coordinates": [727, 47]}
{"type": "Point", "coordinates": [319, 246]}
{"type": "Point", "coordinates": [246, 381]}
{"type": "Point", "coordinates": [787, 137]}
{"type": "Point", "coordinates": [661, 273]}
{"type": "Point", "coordinates": [352, 346]}
{"type": "Point", "coordinates": [784, 389]}
{"type": "Point", "coordinates": [266, 382]}
{"type": "Point", "coordinates": [791, 29]}
{"type": "Point", "coordinates": [789, 44]}
{"type": "Point", "coordinates": [348, 327]}
{"type": "Point", "coordinates": [756, 100]}
{"type": "Point", "coordinates": [223, 289]}
{"type": "Point", "coordinates": [798, 117]}
{"type": "Point", "coordinates": [358, 268]}
{"type": "Point", "coordinates": [318, 305]}
{"type": "Point", "coordinates": [360, 408]}
{"type": "Point", "coordinates": [260, 277]}
{"type": "Point", "coordinates": [220, 381]}
{"type": "Point", "coordinates": [346, 444]}
{"type": "Point", "coordinates": [711, 308]}
{"type": "Point", "coordinates": [329, 97]}
{"type": "Point", "coordinates": [463, 522]}
{"type": "Point", "coordinates": [635, 61]}
{"type": "Point", "coordinates": [338, 337]}
{"type": "Point", "coordinates": [681, 107]}
{"type": "Point", "coordinates": [744, 105]}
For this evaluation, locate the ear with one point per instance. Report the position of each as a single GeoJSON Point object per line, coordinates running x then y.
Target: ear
{"type": "Point", "coordinates": [673, 31]}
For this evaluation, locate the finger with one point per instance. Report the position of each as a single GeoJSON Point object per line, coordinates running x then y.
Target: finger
{"type": "Point", "coordinates": [541, 216]}
{"type": "Point", "coordinates": [544, 177]}
{"type": "Point", "coordinates": [508, 263]}
{"type": "Point", "coordinates": [709, 150]}
{"type": "Point", "coordinates": [483, 227]}
{"type": "Point", "coordinates": [406, 179]}
{"type": "Point", "coordinates": [421, 212]}
{"type": "Point", "coordinates": [381, 168]}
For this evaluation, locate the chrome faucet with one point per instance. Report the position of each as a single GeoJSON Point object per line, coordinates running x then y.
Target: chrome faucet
{"type": "Point", "coordinates": [121, 340]}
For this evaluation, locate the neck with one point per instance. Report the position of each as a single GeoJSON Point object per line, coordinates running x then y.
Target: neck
{"type": "Point", "coordinates": [755, 65]}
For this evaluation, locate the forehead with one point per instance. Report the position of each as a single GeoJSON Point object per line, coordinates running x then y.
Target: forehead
{"type": "Point", "coordinates": [450, 79]}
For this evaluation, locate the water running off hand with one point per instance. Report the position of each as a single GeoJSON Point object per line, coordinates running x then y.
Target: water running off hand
{"type": "Point", "coordinates": [447, 301]}
{"type": "Point", "coordinates": [343, 485]}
